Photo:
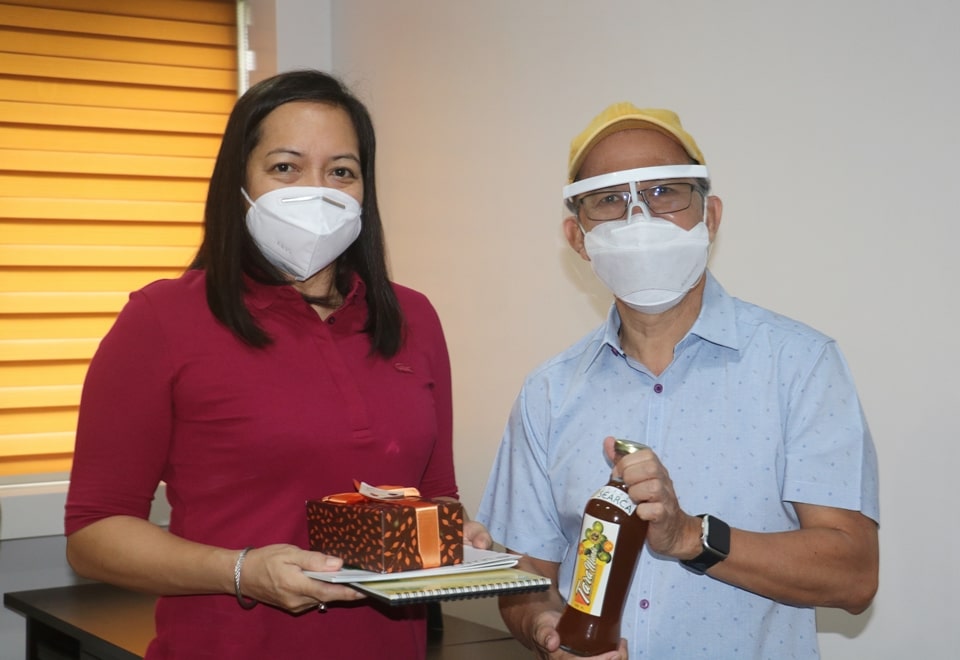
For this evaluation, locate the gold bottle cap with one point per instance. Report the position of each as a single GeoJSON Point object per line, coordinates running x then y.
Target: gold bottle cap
{"type": "Point", "coordinates": [623, 447]}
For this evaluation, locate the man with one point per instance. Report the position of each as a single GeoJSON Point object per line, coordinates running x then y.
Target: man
{"type": "Point", "coordinates": [750, 418]}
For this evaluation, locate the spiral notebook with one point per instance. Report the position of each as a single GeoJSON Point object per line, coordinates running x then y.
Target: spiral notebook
{"type": "Point", "coordinates": [454, 586]}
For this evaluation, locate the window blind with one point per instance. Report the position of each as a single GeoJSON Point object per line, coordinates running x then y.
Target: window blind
{"type": "Point", "coordinates": [110, 118]}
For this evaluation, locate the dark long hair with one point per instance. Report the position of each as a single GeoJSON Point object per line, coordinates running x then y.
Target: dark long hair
{"type": "Point", "coordinates": [228, 252]}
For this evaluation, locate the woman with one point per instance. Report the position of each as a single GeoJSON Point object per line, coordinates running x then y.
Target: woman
{"type": "Point", "coordinates": [282, 366]}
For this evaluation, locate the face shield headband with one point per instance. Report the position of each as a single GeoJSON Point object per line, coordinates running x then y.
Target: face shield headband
{"type": "Point", "coordinates": [633, 176]}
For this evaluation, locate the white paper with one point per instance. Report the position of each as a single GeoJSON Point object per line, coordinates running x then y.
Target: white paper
{"type": "Point", "coordinates": [474, 559]}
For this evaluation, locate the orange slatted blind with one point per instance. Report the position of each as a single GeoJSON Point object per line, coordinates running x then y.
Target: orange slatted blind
{"type": "Point", "coordinates": [110, 119]}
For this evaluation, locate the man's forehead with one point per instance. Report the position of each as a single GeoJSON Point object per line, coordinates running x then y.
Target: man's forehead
{"type": "Point", "coordinates": [632, 148]}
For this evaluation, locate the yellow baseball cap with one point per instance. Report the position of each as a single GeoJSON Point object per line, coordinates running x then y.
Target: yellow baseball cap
{"type": "Point", "coordinates": [623, 116]}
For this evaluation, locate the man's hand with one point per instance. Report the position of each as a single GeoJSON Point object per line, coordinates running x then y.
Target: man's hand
{"type": "Point", "coordinates": [532, 618]}
{"type": "Point", "coordinates": [672, 532]}
{"type": "Point", "coordinates": [547, 641]}
{"type": "Point", "coordinates": [476, 535]}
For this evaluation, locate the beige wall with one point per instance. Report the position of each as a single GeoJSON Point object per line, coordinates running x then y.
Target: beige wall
{"type": "Point", "coordinates": [830, 129]}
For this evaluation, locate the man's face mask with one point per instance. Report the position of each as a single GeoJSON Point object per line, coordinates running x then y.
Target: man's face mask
{"type": "Point", "coordinates": [303, 229]}
{"type": "Point", "coordinates": [647, 262]}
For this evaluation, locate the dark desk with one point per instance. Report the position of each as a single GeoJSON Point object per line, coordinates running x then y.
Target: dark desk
{"type": "Point", "coordinates": [102, 622]}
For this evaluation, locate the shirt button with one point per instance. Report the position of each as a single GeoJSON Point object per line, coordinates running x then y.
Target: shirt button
{"type": "Point", "coordinates": [644, 604]}
{"type": "Point", "coordinates": [658, 388]}
{"type": "Point", "coordinates": [331, 320]}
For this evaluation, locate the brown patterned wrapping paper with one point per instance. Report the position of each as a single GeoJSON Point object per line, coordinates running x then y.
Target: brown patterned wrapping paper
{"type": "Point", "coordinates": [387, 536]}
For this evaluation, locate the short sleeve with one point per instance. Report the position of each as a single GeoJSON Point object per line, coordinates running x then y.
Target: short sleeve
{"type": "Point", "coordinates": [830, 455]}
{"type": "Point", "coordinates": [124, 425]}
{"type": "Point", "coordinates": [517, 506]}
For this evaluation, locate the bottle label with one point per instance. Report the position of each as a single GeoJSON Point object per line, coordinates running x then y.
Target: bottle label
{"type": "Point", "coordinates": [598, 542]}
{"type": "Point", "coordinates": [617, 498]}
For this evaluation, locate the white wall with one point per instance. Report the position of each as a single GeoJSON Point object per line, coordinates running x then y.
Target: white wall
{"type": "Point", "coordinates": [830, 129]}
{"type": "Point", "coordinates": [304, 39]}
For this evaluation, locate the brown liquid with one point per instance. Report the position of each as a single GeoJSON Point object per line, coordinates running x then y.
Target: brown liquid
{"type": "Point", "coordinates": [590, 633]}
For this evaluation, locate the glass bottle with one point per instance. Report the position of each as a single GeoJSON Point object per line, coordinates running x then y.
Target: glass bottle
{"type": "Point", "coordinates": [611, 538]}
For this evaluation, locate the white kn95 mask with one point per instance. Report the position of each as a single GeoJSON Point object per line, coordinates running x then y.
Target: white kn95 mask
{"type": "Point", "coordinates": [303, 229]}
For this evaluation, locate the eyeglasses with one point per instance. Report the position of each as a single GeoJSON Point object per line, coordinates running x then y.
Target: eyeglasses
{"type": "Point", "coordinates": [612, 204]}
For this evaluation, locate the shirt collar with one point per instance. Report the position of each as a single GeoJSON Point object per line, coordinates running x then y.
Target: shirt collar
{"type": "Point", "coordinates": [716, 322]}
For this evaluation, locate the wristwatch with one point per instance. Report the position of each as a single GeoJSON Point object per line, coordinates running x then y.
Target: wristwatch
{"type": "Point", "coordinates": [715, 537]}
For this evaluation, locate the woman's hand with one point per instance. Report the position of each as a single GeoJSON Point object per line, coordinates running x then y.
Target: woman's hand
{"type": "Point", "coordinates": [274, 575]}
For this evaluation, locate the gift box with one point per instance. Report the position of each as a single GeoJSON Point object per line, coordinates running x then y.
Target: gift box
{"type": "Point", "coordinates": [387, 535]}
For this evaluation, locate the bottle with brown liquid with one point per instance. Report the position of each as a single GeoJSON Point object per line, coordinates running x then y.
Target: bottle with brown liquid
{"type": "Point", "coordinates": [611, 538]}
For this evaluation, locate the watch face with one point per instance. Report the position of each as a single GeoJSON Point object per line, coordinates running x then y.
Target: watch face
{"type": "Point", "coordinates": [715, 540]}
{"type": "Point", "coordinates": [716, 537]}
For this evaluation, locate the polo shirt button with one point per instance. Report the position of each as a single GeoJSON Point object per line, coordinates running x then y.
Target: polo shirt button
{"type": "Point", "coordinates": [658, 388]}
{"type": "Point", "coordinates": [644, 604]}
{"type": "Point", "coordinates": [331, 320]}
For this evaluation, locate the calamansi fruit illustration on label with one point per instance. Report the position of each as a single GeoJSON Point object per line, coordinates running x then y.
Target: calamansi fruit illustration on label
{"type": "Point", "coordinates": [594, 552]}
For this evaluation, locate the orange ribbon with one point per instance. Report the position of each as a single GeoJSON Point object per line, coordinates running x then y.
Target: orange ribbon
{"type": "Point", "coordinates": [346, 498]}
{"type": "Point", "coordinates": [428, 531]}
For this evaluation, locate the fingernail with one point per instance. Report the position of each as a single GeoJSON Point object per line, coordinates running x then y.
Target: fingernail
{"type": "Point", "coordinates": [332, 561]}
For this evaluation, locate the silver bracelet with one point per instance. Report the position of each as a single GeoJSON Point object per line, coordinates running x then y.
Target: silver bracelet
{"type": "Point", "coordinates": [245, 603]}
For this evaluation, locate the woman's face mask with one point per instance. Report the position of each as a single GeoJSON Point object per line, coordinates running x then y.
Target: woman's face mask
{"type": "Point", "coordinates": [303, 229]}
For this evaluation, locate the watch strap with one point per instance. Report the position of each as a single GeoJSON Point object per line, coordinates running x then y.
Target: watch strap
{"type": "Point", "coordinates": [715, 539]}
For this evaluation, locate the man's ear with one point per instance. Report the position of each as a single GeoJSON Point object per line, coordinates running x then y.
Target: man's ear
{"type": "Point", "coordinates": [571, 229]}
{"type": "Point", "coordinates": [714, 211]}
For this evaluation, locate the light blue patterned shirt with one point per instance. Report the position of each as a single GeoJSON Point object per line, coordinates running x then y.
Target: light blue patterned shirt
{"type": "Point", "coordinates": [756, 411]}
